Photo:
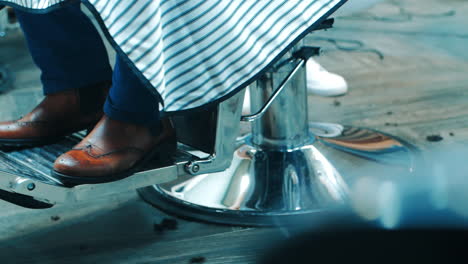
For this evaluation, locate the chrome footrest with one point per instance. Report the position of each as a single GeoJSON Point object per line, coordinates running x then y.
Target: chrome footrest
{"type": "Point", "coordinates": [25, 176]}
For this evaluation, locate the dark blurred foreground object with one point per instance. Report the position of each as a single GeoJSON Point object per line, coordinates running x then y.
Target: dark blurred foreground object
{"type": "Point", "coordinates": [412, 227]}
{"type": "Point", "coordinates": [375, 246]}
{"type": "Point", "coordinates": [355, 241]}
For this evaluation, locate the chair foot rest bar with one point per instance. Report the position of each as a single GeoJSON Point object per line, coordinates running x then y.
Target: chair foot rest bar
{"type": "Point", "coordinates": [25, 177]}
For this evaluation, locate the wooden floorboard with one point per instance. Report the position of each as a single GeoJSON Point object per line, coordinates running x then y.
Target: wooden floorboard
{"type": "Point", "coordinates": [420, 88]}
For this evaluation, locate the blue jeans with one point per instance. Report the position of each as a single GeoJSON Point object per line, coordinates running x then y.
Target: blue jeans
{"type": "Point", "coordinates": [70, 53]}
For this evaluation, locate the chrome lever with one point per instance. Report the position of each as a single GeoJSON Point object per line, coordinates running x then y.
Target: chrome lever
{"type": "Point", "coordinates": [259, 114]}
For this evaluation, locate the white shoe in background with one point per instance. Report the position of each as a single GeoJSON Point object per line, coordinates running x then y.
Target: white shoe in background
{"type": "Point", "coordinates": [322, 82]}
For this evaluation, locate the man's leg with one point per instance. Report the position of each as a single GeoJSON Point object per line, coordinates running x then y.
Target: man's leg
{"type": "Point", "coordinates": [129, 100]}
{"type": "Point", "coordinates": [66, 47]}
{"type": "Point", "coordinates": [76, 76]}
{"type": "Point", "coordinates": [126, 137]}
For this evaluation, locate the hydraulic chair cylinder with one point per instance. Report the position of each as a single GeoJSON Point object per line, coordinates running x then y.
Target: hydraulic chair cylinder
{"type": "Point", "coordinates": [285, 124]}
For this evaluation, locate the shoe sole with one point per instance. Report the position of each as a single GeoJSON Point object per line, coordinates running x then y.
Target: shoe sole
{"type": "Point", "coordinates": [161, 153]}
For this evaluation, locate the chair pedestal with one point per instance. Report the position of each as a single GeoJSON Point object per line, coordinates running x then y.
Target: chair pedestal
{"type": "Point", "coordinates": [287, 168]}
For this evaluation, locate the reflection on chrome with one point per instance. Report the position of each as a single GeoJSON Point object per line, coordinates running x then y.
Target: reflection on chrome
{"type": "Point", "coordinates": [288, 168]}
{"type": "Point", "coordinates": [276, 183]}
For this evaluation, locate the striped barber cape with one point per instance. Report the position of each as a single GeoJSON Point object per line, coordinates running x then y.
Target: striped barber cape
{"type": "Point", "coordinates": [194, 52]}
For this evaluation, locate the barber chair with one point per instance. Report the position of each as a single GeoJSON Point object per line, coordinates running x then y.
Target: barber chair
{"type": "Point", "coordinates": [285, 169]}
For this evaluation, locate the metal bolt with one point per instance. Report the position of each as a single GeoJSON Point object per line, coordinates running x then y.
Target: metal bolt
{"type": "Point", "coordinates": [31, 186]}
{"type": "Point", "coordinates": [195, 168]}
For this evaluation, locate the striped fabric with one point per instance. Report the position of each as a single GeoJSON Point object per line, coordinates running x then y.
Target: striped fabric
{"type": "Point", "coordinates": [194, 52]}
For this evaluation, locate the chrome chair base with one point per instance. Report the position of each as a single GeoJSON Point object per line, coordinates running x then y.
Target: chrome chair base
{"type": "Point", "coordinates": [266, 187]}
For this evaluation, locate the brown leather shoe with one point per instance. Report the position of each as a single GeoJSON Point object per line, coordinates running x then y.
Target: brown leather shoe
{"type": "Point", "coordinates": [56, 116]}
{"type": "Point", "coordinates": [114, 150]}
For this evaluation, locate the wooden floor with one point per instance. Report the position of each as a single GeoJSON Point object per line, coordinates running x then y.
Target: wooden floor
{"type": "Point", "coordinates": [418, 89]}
